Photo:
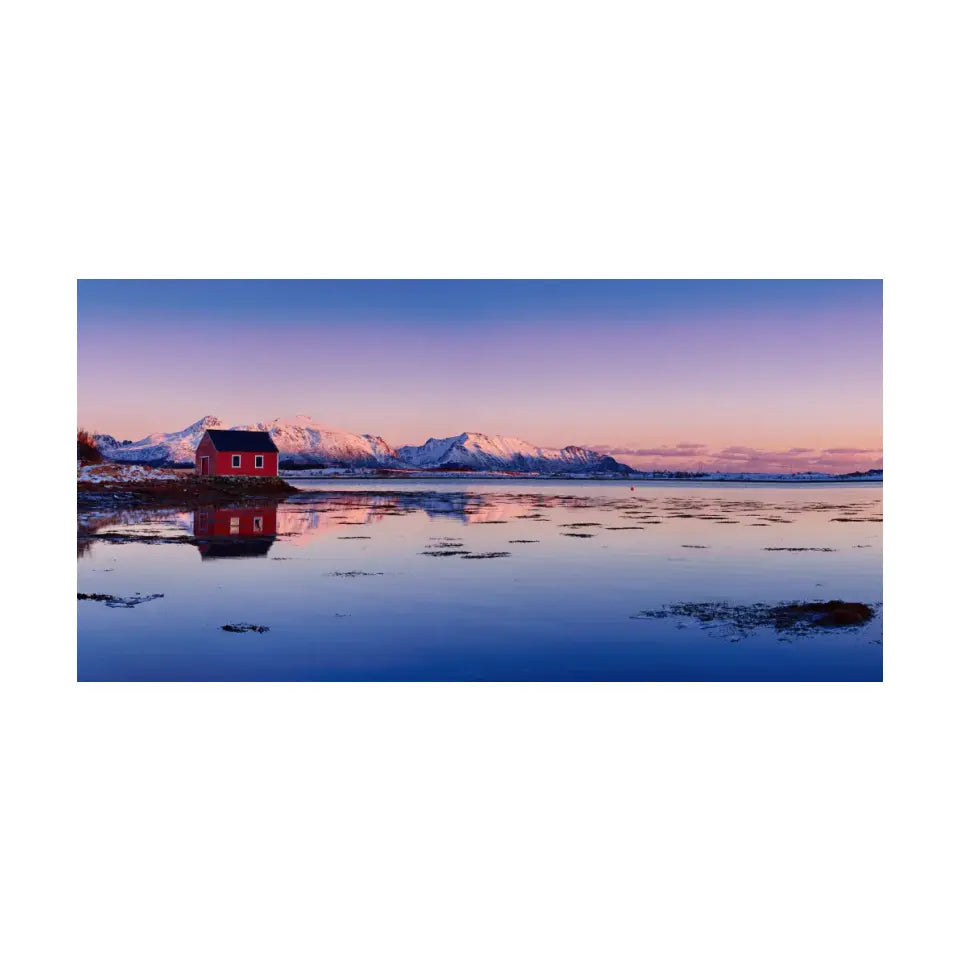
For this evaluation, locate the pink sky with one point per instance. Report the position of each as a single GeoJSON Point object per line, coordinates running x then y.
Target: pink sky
{"type": "Point", "coordinates": [736, 375]}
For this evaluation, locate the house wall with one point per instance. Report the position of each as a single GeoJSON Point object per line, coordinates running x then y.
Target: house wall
{"type": "Point", "coordinates": [225, 468]}
{"type": "Point", "coordinates": [205, 449]}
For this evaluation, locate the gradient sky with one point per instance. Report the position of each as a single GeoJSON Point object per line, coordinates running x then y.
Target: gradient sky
{"type": "Point", "coordinates": [744, 375]}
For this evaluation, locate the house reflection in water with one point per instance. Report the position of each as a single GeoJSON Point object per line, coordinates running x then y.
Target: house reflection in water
{"type": "Point", "coordinates": [235, 531]}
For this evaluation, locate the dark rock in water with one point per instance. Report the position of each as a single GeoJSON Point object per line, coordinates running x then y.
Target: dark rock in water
{"type": "Point", "coordinates": [244, 628]}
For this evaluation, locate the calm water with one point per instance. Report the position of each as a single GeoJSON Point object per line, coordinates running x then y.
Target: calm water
{"type": "Point", "coordinates": [343, 577]}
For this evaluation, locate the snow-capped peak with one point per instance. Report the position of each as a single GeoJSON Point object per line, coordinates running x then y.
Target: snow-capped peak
{"type": "Point", "coordinates": [302, 440]}
{"type": "Point", "coordinates": [481, 451]}
{"type": "Point", "coordinates": [176, 447]}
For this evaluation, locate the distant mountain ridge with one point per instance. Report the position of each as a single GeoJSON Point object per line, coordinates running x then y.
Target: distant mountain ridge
{"type": "Point", "coordinates": [303, 442]}
{"type": "Point", "coordinates": [480, 451]}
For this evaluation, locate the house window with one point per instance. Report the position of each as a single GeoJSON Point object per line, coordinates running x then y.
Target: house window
{"type": "Point", "coordinates": [236, 460]}
{"type": "Point", "coordinates": [258, 524]}
{"type": "Point", "coordinates": [234, 524]}
{"type": "Point", "coordinates": [258, 462]}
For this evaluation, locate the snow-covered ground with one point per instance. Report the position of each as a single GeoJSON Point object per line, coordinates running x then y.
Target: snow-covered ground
{"type": "Point", "coordinates": [124, 473]}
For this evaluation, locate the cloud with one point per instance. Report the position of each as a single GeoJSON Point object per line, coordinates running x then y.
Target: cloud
{"type": "Point", "coordinates": [678, 450]}
{"type": "Point", "coordinates": [744, 459]}
{"type": "Point", "coordinates": [849, 450]}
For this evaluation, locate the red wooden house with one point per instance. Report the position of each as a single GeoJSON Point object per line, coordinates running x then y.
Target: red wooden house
{"type": "Point", "coordinates": [237, 453]}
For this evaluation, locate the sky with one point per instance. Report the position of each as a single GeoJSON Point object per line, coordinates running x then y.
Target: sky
{"type": "Point", "coordinates": [780, 375]}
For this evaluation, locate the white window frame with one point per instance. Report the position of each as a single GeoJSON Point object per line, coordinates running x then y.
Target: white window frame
{"type": "Point", "coordinates": [235, 461]}
{"type": "Point", "coordinates": [258, 462]}
{"type": "Point", "coordinates": [258, 524]}
{"type": "Point", "coordinates": [234, 525]}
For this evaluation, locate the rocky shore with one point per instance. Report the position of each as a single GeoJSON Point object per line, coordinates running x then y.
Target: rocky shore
{"type": "Point", "coordinates": [138, 486]}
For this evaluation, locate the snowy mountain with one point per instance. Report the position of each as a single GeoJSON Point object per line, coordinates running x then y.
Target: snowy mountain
{"type": "Point", "coordinates": [302, 441]}
{"type": "Point", "coordinates": [105, 442]}
{"type": "Point", "coordinates": [159, 448]}
{"type": "Point", "coordinates": [479, 451]}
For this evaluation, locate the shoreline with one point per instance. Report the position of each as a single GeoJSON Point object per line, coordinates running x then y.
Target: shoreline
{"type": "Point", "coordinates": [185, 490]}
{"type": "Point", "coordinates": [585, 478]}
{"type": "Point", "coordinates": [193, 492]}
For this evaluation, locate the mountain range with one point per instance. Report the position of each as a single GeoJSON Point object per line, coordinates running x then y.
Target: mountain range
{"type": "Point", "coordinates": [303, 442]}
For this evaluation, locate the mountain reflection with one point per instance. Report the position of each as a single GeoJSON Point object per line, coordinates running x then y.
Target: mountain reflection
{"type": "Point", "coordinates": [331, 513]}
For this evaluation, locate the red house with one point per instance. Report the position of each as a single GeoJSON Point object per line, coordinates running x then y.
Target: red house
{"type": "Point", "coordinates": [237, 453]}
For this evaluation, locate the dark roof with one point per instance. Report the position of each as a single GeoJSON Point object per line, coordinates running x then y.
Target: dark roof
{"type": "Point", "coordinates": [219, 547]}
{"type": "Point", "coordinates": [253, 441]}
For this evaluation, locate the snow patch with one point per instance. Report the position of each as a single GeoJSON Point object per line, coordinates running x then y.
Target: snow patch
{"type": "Point", "coordinates": [123, 473]}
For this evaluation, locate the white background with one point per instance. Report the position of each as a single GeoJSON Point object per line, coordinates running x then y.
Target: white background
{"type": "Point", "coordinates": [479, 140]}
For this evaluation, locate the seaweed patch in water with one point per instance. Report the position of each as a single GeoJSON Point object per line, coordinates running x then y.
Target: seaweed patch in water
{"type": "Point", "coordinates": [354, 573]}
{"type": "Point", "coordinates": [112, 601]}
{"type": "Point", "coordinates": [444, 553]}
{"type": "Point", "coordinates": [797, 617]}
{"type": "Point", "coordinates": [353, 538]}
{"type": "Point", "coordinates": [577, 534]}
{"type": "Point", "coordinates": [523, 541]}
{"type": "Point", "coordinates": [801, 549]}
{"type": "Point", "coordinates": [695, 546]}
{"type": "Point", "coordinates": [486, 556]}
{"type": "Point", "coordinates": [244, 628]}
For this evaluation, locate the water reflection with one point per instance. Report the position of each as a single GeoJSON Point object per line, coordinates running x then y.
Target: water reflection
{"type": "Point", "coordinates": [235, 531]}
{"type": "Point", "coordinates": [475, 581]}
